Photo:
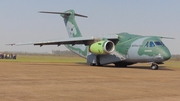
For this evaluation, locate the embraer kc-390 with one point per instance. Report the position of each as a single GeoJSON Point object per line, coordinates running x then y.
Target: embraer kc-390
{"type": "Point", "coordinates": [122, 49]}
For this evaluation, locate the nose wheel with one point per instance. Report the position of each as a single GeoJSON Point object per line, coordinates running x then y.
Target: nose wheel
{"type": "Point", "coordinates": [154, 66]}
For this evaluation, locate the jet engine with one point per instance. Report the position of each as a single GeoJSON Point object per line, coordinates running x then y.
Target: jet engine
{"type": "Point", "coordinates": [102, 47]}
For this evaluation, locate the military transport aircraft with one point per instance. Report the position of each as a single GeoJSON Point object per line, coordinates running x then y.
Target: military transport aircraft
{"type": "Point", "coordinates": [121, 49]}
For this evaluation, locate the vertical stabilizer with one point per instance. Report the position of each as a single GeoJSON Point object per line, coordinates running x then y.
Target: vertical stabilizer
{"type": "Point", "coordinates": [73, 30]}
{"type": "Point", "coordinates": [70, 23]}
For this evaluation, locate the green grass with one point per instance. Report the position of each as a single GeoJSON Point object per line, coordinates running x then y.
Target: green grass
{"type": "Point", "coordinates": [44, 58]}
{"type": "Point", "coordinates": [172, 64]}
{"type": "Point", "coordinates": [59, 59]}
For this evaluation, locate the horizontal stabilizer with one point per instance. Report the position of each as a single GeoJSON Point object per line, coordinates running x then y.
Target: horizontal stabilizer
{"type": "Point", "coordinates": [65, 13]}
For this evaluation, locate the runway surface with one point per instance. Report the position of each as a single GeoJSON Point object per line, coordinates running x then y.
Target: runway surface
{"type": "Point", "coordinates": [21, 81]}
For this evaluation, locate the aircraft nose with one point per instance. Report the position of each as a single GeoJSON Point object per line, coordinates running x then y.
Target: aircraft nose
{"type": "Point", "coordinates": [166, 55]}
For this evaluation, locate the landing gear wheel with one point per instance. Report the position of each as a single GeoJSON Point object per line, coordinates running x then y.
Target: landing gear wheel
{"type": "Point", "coordinates": [98, 64]}
{"type": "Point", "coordinates": [154, 67]}
{"type": "Point", "coordinates": [92, 64]}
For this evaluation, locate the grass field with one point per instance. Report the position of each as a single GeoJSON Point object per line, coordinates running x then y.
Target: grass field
{"type": "Point", "coordinates": [59, 59]}
{"type": "Point", "coordinates": [172, 64]}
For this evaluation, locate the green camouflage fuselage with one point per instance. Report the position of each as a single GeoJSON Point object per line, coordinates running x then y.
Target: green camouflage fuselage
{"type": "Point", "coordinates": [134, 48]}
{"type": "Point", "coordinates": [137, 48]}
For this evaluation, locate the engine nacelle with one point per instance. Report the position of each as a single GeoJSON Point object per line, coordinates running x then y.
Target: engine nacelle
{"type": "Point", "coordinates": [102, 47]}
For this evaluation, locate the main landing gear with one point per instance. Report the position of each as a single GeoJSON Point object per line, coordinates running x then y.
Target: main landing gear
{"type": "Point", "coordinates": [154, 66]}
{"type": "Point", "coordinates": [97, 62]}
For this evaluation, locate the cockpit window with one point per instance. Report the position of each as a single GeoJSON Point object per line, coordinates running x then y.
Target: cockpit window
{"type": "Point", "coordinates": [162, 43]}
{"type": "Point", "coordinates": [151, 44]}
{"type": "Point", "coordinates": [158, 43]}
{"type": "Point", "coordinates": [154, 43]}
{"type": "Point", "coordinates": [147, 44]}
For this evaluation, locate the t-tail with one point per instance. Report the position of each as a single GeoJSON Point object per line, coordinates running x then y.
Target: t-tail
{"type": "Point", "coordinates": [73, 30]}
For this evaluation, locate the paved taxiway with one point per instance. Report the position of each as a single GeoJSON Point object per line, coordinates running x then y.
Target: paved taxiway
{"type": "Point", "coordinates": [79, 82]}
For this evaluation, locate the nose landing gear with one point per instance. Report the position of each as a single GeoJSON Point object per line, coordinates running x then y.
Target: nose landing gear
{"type": "Point", "coordinates": [154, 66]}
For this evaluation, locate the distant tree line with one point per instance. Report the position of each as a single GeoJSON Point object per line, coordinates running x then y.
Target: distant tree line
{"type": "Point", "coordinates": [63, 53]}
{"type": "Point", "coordinates": [175, 57]}
{"type": "Point", "coordinates": [54, 52]}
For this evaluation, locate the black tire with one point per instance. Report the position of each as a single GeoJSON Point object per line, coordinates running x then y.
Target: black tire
{"type": "Point", "coordinates": [92, 64]}
{"type": "Point", "coordinates": [154, 67]}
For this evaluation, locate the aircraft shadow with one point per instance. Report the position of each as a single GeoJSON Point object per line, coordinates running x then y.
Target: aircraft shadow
{"type": "Point", "coordinates": [131, 67]}
{"type": "Point", "coordinates": [107, 66]}
{"type": "Point", "coordinates": [140, 67]}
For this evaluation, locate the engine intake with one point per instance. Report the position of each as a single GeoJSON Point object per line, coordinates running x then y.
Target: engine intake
{"type": "Point", "coordinates": [102, 47]}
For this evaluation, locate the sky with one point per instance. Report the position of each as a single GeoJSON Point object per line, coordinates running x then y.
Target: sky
{"type": "Point", "coordinates": [21, 22]}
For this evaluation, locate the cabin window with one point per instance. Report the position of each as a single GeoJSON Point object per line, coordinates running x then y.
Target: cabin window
{"type": "Point", "coordinates": [151, 44]}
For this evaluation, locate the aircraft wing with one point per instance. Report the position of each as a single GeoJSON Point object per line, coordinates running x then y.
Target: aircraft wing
{"type": "Point", "coordinates": [73, 41]}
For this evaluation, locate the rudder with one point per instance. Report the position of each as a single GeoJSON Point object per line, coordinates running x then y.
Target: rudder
{"type": "Point", "coordinates": [71, 26]}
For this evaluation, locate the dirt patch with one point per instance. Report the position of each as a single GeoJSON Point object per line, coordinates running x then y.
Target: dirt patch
{"type": "Point", "coordinates": [80, 82]}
